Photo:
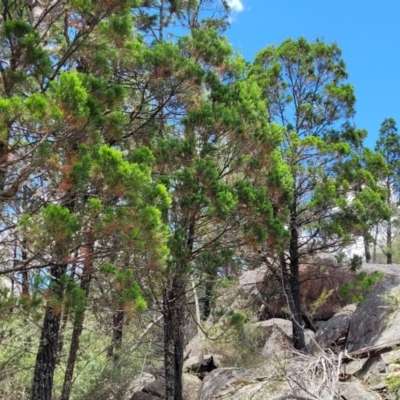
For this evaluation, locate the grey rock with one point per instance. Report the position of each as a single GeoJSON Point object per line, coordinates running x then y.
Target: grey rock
{"type": "Point", "coordinates": [194, 347]}
{"type": "Point", "coordinates": [278, 346]}
{"type": "Point", "coordinates": [378, 386]}
{"type": "Point", "coordinates": [251, 279]}
{"type": "Point", "coordinates": [191, 385]}
{"type": "Point", "coordinates": [376, 321]}
{"type": "Point", "coordinates": [354, 366]}
{"type": "Point", "coordinates": [217, 379]}
{"type": "Point", "coordinates": [392, 357]}
{"type": "Point", "coordinates": [375, 366]}
{"type": "Point", "coordinates": [354, 390]}
{"type": "Point", "coordinates": [240, 384]}
{"type": "Point", "coordinates": [275, 323]}
{"type": "Point", "coordinates": [138, 383]}
{"type": "Point", "coordinates": [201, 365]}
{"type": "Point", "coordinates": [156, 388]}
{"type": "Point", "coordinates": [144, 396]}
{"type": "Point", "coordinates": [335, 328]}
{"type": "Point", "coordinates": [393, 368]}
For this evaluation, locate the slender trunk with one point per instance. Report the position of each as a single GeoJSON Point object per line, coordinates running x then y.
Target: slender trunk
{"type": "Point", "coordinates": [174, 320]}
{"type": "Point", "coordinates": [389, 229]}
{"type": "Point", "coordinates": [47, 354]}
{"type": "Point", "coordinates": [197, 306]}
{"type": "Point", "coordinates": [207, 298]}
{"type": "Point", "coordinates": [78, 324]}
{"type": "Point", "coordinates": [24, 274]}
{"type": "Point", "coordinates": [64, 321]}
{"type": "Point", "coordinates": [4, 152]}
{"type": "Point", "coordinates": [66, 313]}
{"type": "Point", "coordinates": [366, 247]}
{"type": "Point", "coordinates": [179, 343]}
{"type": "Point", "coordinates": [375, 243]}
{"type": "Point", "coordinates": [293, 283]}
{"type": "Point", "coordinates": [168, 312]}
{"type": "Point", "coordinates": [117, 334]}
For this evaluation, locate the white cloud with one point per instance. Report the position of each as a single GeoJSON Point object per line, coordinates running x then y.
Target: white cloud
{"type": "Point", "coordinates": [236, 5]}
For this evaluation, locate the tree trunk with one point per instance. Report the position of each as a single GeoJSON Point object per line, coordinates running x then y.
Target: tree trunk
{"type": "Point", "coordinates": [46, 358]}
{"type": "Point", "coordinates": [117, 334]}
{"type": "Point", "coordinates": [24, 275]}
{"type": "Point", "coordinates": [292, 292]}
{"type": "Point", "coordinates": [169, 361]}
{"type": "Point", "coordinates": [78, 325]}
{"type": "Point", "coordinates": [389, 229]}
{"type": "Point", "coordinates": [292, 282]}
{"type": "Point", "coordinates": [207, 298]}
{"type": "Point", "coordinates": [174, 319]}
{"type": "Point", "coordinates": [375, 243]}
{"type": "Point", "coordinates": [366, 247]}
{"type": "Point", "coordinates": [197, 306]}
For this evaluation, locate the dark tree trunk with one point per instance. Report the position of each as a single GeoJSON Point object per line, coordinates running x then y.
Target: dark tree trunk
{"type": "Point", "coordinates": [78, 327]}
{"type": "Point", "coordinates": [292, 282]}
{"type": "Point", "coordinates": [116, 343]}
{"type": "Point", "coordinates": [4, 151]}
{"type": "Point", "coordinates": [47, 354]}
{"type": "Point", "coordinates": [292, 293]}
{"type": "Point", "coordinates": [169, 360]}
{"type": "Point", "coordinates": [174, 319]}
{"type": "Point", "coordinates": [367, 249]}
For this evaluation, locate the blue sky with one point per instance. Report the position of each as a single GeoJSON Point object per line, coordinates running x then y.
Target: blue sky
{"type": "Point", "coordinates": [367, 31]}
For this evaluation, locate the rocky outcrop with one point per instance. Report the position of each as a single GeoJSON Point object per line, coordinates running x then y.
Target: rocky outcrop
{"type": "Point", "coordinates": [144, 396]}
{"type": "Point", "coordinates": [201, 366]}
{"type": "Point", "coordinates": [376, 322]}
{"type": "Point", "coordinates": [191, 386]}
{"type": "Point", "coordinates": [137, 385]}
{"type": "Point", "coordinates": [241, 384]}
{"type": "Point", "coordinates": [156, 388]}
{"type": "Point", "coordinates": [275, 323]}
{"type": "Point", "coordinates": [354, 390]}
{"type": "Point", "coordinates": [370, 360]}
{"type": "Point", "coordinates": [334, 331]}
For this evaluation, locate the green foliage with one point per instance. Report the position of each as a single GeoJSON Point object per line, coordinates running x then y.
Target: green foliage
{"type": "Point", "coordinates": [393, 381]}
{"type": "Point", "coordinates": [237, 320]}
{"type": "Point", "coordinates": [356, 263]}
{"type": "Point", "coordinates": [320, 301]}
{"type": "Point", "coordinates": [356, 290]}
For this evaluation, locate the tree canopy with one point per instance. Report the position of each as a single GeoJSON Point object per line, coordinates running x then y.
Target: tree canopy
{"type": "Point", "coordinates": [143, 162]}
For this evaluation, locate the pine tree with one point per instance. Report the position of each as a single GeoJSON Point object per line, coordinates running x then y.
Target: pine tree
{"type": "Point", "coordinates": [306, 90]}
{"type": "Point", "coordinates": [388, 144]}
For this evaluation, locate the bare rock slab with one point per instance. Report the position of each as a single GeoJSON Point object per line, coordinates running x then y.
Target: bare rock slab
{"type": "Point", "coordinates": [376, 321]}
{"type": "Point", "coordinates": [354, 390]}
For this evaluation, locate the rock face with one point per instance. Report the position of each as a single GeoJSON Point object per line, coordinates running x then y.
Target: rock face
{"type": "Point", "coordinates": [278, 346]}
{"type": "Point", "coordinates": [336, 328]}
{"type": "Point", "coordinates": [138, 384]}
{"type": "Point", "coordinates": [240, 384]}
{"type": "Point", "coordinates": [191, 386]}
{"type": "Point", "coordinates": [376, 322]}
{"type": "Point", "coordinates": [354, 390]}
{"type": "Point", "coordinates": [275, 323]}
{"type": "Point", "coordinates": [249, 281]}
{"type": "Point", "coordinates": [201, 366]}
{"type": "Point", "coordinates": [156, 388]}
{"type": "Point", "coordinates": [144, 396]}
